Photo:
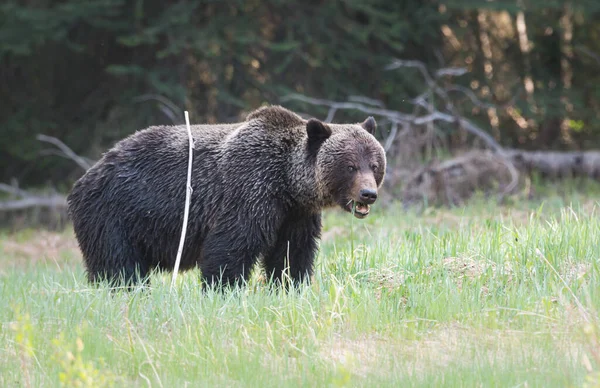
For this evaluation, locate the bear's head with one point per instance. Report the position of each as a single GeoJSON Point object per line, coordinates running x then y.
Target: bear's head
{"type": "Point", "coordinates": [350, 163]}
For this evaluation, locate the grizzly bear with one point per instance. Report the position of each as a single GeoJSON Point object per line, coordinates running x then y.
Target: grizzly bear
{"type": "Point", "coordinates": [259, 187]}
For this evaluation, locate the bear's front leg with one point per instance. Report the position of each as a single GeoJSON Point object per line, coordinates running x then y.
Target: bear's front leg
{"type": "Point", "coordinates": [295, 249]}
{"type": "Point", "coordinates": [228, 260]}
{"type": "Point", "coordinates": [232, 248]}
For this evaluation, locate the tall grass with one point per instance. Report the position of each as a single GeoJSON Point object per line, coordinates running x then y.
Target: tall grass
{"type": "Point", "coordinates": [483, 295]}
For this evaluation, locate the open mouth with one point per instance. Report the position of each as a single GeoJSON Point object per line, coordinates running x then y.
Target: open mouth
{"type": "Point", "coordinates": [359, 209]}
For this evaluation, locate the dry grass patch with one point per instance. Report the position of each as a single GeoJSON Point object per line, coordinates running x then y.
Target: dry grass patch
{"type": "Point", "coordinates": [44, 247]}
{"type": "Point", "coordinates": [446, 347]}
{"type": "Point", "coordinates": [387, 280]}
{"type": "Point", "coordinates": [361, 356]}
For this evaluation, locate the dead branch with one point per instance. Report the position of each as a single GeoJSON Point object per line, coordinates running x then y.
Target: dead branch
{"type": "Point", "coordinates": [66, 151]}
{"type": "Point", "coordinates": [398, 63]}
{"type": "Point", "coordinates": [331, 114]}
{"type": "Point", "coordinates": [390, 114]}
{"type": "Point", "coordinates": [14, 190]}
{"type": "Point", "coordinates": [55, 152]}
{"type": "Point", "coordinates": [23, 199]}
{"type": "Point", "coordinates": [393, 117]}
{"type": "Point", "coordinates": [390, 139]}
{"type": "Point", "coordinates": [167, 107]}
{"type": "Point", "coordinates": [452, 116]}
{"type": "Point", "coordinates": [398, 117]}
{"type": "Point", "coordinates": [589, 53]}
{"type": "Point", "coordinates": [375, 107]}
{"type": "Point", "coordinates": [477, 102]}
{"type": "Point", "coordinates": [55, 202]}
{"type": "Point", "coordinates": [450, 71]}
{"type": "Point", "coordinates": [366, 101]}
{"type": "Point", "coordinates": [514, 176]}
{"type": "Point", "coordinates": [475, 130]}
{"type": "Point", "coordinates": [26, 199]}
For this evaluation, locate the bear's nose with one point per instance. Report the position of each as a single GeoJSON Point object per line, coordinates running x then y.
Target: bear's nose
{"type": "Point", "coordinates": [368, 196]}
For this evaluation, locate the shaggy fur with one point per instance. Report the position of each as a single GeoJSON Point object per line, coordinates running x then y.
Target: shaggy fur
{"type": "Point", "coordinates": [258, 190]}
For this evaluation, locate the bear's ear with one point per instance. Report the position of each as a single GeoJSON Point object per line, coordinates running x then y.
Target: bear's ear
{"type": "Point", "coordinates": [317, 131]}
{"type": "Point", "coordinates": [370, 125]}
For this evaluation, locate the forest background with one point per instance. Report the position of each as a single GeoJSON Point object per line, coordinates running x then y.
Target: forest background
{"type": "Point", "coordinates": [92, 72]}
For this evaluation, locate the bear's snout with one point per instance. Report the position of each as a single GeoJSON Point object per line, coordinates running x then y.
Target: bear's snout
{"type": "Point", "coordinates": [368, 196]}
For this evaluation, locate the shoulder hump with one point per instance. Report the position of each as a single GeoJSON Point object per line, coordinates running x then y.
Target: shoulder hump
{"type": "Point", "coordinates": [275, 115]}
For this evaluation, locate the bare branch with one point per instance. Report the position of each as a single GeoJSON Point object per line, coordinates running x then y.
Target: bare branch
{"type": "Point", "coordinates": [55, 201]}
{"type": "Point", "coordinates": [470, 95]}
{"type": "Point", "coordinates": [168, 108]}
{"type": "Point", "coordinates": [514, 177]}
{"type": "Point", "coordinates": [425, 113]}
{"type": "Point", "coordinates": [477, 102]}
{"type": "Point", "coordinates": [68, 153]}
{"type": "Point", "coordinates": [26, 199]}
{"type": "Point", "coordinates": [366, 101]}
{"type": "Point", "coordinates": [331, 114]}
{"type": "Point", "coordinates": [13, 190]}
{"type": "Point", "coordinates": [390, 139]}
{"type": "Point", "coordinates": [55, 152]}
{"type": "Point", "coordinates": [398, 117]}
{"type": "Point", "coordinates": [391, 114]}
{"type": "Point", "coordinates": [421, 100]}
{"type": "Point", "coordinates": [454, 116]}
{"type": "Point", "coordinates": [589, 53]}
{"type": "Point", "coordinates": [450, 71]}
{"type": "Point", "coordinates": [435, 115]}
{"type": "Point", "coordinates": [169, 113]}
{"type": "Point", "coordinates": [398, 63]}
{"type": "Point", "coordinates": [474, 130]}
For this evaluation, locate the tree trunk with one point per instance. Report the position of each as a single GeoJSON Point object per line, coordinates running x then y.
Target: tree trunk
{"type": "Point", "coordinates": [525, 47]}
{"type": "Point", "coordinates": [566, 69]}
{"type": "Point", "coordinates": [488, 67]}
{"type": "Point", "coordinates": [528, 84]}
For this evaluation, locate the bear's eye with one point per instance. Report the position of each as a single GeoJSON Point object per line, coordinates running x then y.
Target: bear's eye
{"type": "Point", "coordinates": [374, 168]}
{"type": "Point", "coordinates": [351, 168]}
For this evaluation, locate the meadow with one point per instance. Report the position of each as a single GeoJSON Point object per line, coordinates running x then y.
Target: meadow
{"type": "Point", "coordinates": [484, 295]}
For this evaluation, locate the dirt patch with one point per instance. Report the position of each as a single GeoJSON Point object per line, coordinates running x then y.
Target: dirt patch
{"type": "Point", "coordinates": [387, 280]}
{"type": "Point", "coordinates": [453, 344]}
{"type": "Point", "coordinates": [359, 356]}
{"type": "Point", "coordinates": [463, 269]}
{"type": "Point", "coordinates": [444, 346]}
{"type": "Point", "coordinates": [459, 269]}
{"type": "Point", "coordinates": [42, 247]}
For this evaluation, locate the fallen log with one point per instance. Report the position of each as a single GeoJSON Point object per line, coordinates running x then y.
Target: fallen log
{"type": "Point", "coordinates": [454, 181]}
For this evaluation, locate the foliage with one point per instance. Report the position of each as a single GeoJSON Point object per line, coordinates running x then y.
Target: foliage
{"type": "Point", "coordinates": [91, 72]}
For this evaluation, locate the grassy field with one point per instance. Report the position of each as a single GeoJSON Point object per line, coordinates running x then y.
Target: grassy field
{"type": "Point", "coordinates": [480, 296]}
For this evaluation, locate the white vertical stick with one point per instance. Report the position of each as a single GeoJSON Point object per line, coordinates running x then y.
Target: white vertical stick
{"type": "Point", "coordinates": [188, 194]}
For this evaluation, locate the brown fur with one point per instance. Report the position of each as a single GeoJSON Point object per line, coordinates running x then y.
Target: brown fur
{"type": "Point", "coordinates": [258, 191]}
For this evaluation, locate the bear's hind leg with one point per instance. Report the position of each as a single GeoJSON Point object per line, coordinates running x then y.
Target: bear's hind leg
{"type": "Point", "coordinates": [117, 262]}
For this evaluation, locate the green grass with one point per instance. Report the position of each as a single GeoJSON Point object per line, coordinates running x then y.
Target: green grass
{"type": "Point", "coordinates": [480, 296]}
